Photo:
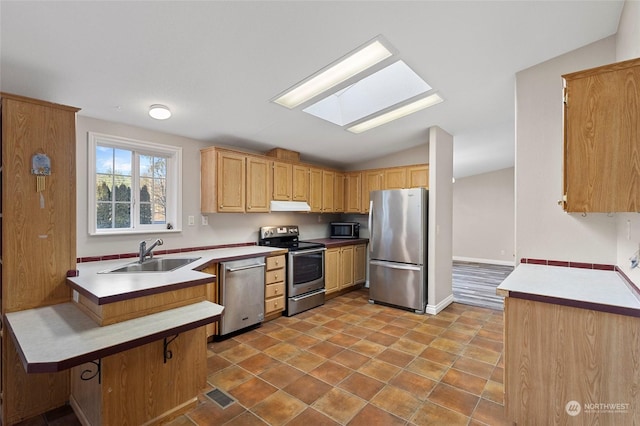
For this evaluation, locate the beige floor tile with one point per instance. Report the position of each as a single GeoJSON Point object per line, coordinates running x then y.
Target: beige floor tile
{"type": "Point", "coordinates": [339, 405]}
{"type": "Point", "coordinates": [465, 381]}
{"type": "Point", "coordinates": [331, 372]}
{"type": "Point", "coordinates": [454, 399]}
{"type": "Point", "coordinates": [397, 401]}
{"type": "Point", "coordinates": [239, 353]}
{"type": "Point", "coordinates": [371, 415]}
{"type": "Point", "coordinates": [363, 386]}
{"type": "Point", "coordinates": [433, 414]}
{"type": "Point", "coordinates": [279, 408]}
{"type": "Point", "coordinates": [409, 346]}
{"type": "Point", "coordinates": [229, 378]}
{"type": "Point", "coordinates": [367, 348]}
{"type": "Point", "coordinates": [418, 385]}
{"type": "Point", "coordinates": [379, 370]}
{"type": "Point", "coordinates": [426, 368]}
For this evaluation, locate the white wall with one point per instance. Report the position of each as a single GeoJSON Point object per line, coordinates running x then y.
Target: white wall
{"type": "Point", "coordinates": [439, 287]}
{"type": "Point", "coordinates": [223, 228]}
{"type": "Point", "coordinates": [415, 155]}
{"type": "Point", "coordinates": [543, 230]}
{"type": "Point", "coordinates": [628, 36]}
{"type": "Point", "coordinates": [628, 225]}
{"type": "Point", "coordinates": [483, 218]}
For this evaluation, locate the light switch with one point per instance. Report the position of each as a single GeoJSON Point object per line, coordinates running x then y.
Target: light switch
{"type": "Point", "coordinates": [191, 220]}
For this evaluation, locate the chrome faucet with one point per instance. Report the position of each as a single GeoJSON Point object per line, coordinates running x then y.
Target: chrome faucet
{"type": "Point", "coordinates": [144, 251]}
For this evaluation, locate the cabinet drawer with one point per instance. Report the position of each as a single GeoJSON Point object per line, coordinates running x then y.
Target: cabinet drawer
{"type": "Point", "coordinates": [274, 276]}
{"type": "Point", "coordinates": [275, 262]}
{"type": "Point", "coordinates": [274, 290]}
{"type": "Point", "coordinates": [274, 305]}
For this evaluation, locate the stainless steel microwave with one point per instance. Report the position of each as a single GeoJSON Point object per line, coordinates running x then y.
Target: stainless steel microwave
{"type": "Point", "coordinates": [344, 230]}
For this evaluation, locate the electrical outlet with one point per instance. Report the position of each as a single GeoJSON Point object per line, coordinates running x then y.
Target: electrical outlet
{"type": "Point", "coordinates": [191, 220]}
{"type": "Point", "coordinates": [205, 220]}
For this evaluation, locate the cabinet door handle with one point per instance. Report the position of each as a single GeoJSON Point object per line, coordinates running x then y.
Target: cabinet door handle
{"type": "Point", "coordinates": [275, 276]}
{"type": "Point", "coordinates": [275, 304]}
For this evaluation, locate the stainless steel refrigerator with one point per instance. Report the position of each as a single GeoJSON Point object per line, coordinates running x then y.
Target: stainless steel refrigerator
{"type": "Point", "coordinates": [398, 223]}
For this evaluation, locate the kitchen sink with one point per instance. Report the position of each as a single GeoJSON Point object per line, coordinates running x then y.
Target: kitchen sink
{"type": "Point", "coordinates": [153, 265]}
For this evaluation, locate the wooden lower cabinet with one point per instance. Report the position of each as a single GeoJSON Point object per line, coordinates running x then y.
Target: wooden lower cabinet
{"type": "Point", "coordinates": [331, 270]}
{"type": "Point", "coordinates": [344, 267]}
{"type": "Point", "coordinates": [360, 264]}
{"type": "Point", "coordinates": [143, 385]}
{"type": "Point", "coordinates": [213, 295]}
{"type": "Point", "coordinates": [26, 395]}
{"type": "Point", "coordinates": [274, 285]}
{"type": "Point", "coordinates": [563, 364]}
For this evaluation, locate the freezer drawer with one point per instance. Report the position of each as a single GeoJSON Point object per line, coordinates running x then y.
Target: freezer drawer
{"type": "Point", "coordinates": [398, 284]}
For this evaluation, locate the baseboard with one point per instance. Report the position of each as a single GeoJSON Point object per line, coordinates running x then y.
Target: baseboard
{"type": "Point", "coordinates": [434, 309]}
{"type": "Point", "coordinates": [487, 261]}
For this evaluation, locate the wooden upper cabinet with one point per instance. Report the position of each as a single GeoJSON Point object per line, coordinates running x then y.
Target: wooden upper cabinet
{"type": "Point", "coordinates": [231, 182]}
{"type": "Point", "coordinates": [338, 192]}
{"type": "Point", "coordinates": [328, 181]}
{"type": "Point", "coordinates": [282, 181]}
{"type": "Point", "coordinates": [300, 183]}
{"type": "Point", "coordinates": [602, 139]}
{"type": "Point", "coordinates": [372, 180]}
{"type": "Point", "coordinates": [258, 179]}
{"type": "Point", "coordinates": [352, 192]}
{"type": "Point", "coordinates": [315, 189]}
{"type": "Point", "coordinates": [418, 176]}
{"type": "Point", "coordinates": [395, 178]}
{"type": "Point", "coordinates": [208, 177]}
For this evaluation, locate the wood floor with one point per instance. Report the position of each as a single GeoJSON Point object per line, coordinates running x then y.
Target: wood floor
{"type": "Point", "coordinates": [476, 283]}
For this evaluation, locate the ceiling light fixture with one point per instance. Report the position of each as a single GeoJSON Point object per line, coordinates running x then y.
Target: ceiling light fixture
{"type": "Point", "coordinates": [349, 65]}
{"type": "Point", "coordinates": [396, 113]}
{"type": "Point", "coordinates": [159, 112]}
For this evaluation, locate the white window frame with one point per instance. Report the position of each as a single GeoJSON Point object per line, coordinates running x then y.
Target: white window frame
{"type": "Point", "coordinates": [174, 183]}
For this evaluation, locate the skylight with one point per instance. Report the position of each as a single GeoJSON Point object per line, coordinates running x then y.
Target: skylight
{"type": "Point", "coordinates": [380, 90]}
{"type": "Point", "coordinates": [375, 99]}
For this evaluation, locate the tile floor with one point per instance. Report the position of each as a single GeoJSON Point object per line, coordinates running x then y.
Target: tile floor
{"type": "Point", "coordinates": [353, 363]}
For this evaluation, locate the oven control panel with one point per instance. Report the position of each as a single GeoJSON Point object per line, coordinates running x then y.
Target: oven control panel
{"type": "Point", "coordinates": [279, 231]}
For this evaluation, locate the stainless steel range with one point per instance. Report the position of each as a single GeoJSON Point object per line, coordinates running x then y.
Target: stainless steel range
{"type": "Point", "coordinates": [305, 267]}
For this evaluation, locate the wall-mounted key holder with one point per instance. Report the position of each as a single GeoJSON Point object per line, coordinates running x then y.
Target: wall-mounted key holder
{"type": "Point", "coordinates": [41, 168]}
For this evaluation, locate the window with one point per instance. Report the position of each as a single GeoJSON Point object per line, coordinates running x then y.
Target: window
{"type": "Point", "coordinates": [134, 186]}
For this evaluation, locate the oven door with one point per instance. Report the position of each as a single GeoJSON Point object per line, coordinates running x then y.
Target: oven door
{"type": "Point", "coordinates": [305, 271]}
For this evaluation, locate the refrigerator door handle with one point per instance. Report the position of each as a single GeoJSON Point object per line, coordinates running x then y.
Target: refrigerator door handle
{"type": "Point", "coordinates": [370, 228]}
{"type": "Point", "coordinates": [395, 265]}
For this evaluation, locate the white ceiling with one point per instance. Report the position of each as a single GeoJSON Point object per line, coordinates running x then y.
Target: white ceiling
{"type": "Point", "coordinates": [217, 64]}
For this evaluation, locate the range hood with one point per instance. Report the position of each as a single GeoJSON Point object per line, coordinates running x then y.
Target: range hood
{"type": "Point", "coordinates": [289, 206]}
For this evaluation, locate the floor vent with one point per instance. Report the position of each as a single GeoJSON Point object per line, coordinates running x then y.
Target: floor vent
{"type": "Point", "coordinates": [220, 398]}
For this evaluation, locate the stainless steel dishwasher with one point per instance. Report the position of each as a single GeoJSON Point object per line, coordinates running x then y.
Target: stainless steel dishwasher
{"type": "Point", "coordinates": [242, 293]}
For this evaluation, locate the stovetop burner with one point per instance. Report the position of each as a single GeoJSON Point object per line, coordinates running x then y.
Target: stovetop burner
{"type": "Point", "coordinates": [284, 237]}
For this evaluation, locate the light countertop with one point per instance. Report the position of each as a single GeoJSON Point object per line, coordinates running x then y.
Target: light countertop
{"type": "Point", "coordinates": [59, 337]}
{"type": "Point", "coordinates": [108, 288]}
{"type": "Point", "coordinates": [584, 288]}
